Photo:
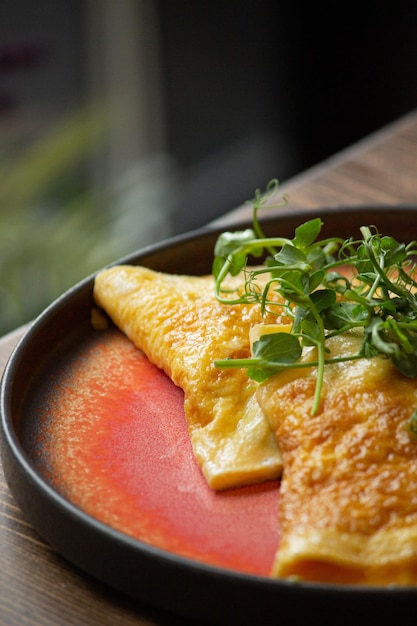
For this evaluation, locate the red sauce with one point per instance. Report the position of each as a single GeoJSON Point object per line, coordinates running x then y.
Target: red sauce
{"type": "Point", "coordinates": [115, 442]}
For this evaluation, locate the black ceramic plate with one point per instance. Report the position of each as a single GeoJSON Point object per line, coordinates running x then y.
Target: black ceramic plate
{"type": "Point", "coordinates": [192, 587]}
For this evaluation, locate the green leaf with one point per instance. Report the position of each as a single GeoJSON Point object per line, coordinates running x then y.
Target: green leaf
{"type": "Point", "coordinates": [294, 286]}
{"type": "Point", "coordinates": [406, 364]}
{"type": "Point", "coordinates": [291, 256]}
{"type": "Point", "coordinates": [323, 299]}
{"type": "Point", "coordinates": [394, 252]}
{"type": "Point", "coordinates": [307, 233]}
{"type": "Point", "coordinates": [316, 279]}
{"type": "Point", "coordinates": [311, 333]}
{"type": "Point", "coordinates": [273, 352]}
{"type": "Point", "coordinates": [316, 258]}
{"type": "Point", "coordinates": [342, 314]}
{"type": "Point", "coordinates": [228, 242]}
{"type": "Point", "coordinates": [277, 347]}
{"type": "Point", "coordinates": [230, 246]}
{"type": "Point", "coordinates": [388, 307]}
{"type": "Point", "coordinates": [260, 372]}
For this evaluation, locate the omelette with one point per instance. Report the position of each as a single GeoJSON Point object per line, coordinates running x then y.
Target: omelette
{"type": "Point", "coordinates": [182, 328]}
{"type": "Point", "coordinates": [348, 496]}
{"type": "Point", "coordinates": [348, 499]}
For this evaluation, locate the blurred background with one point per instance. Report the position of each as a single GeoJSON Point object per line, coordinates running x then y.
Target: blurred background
{"type": "Point", "coordinates": [123, 122]}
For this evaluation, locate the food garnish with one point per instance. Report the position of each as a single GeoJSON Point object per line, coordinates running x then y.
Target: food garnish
{"type": "Point", "coordinates": [377, 295]}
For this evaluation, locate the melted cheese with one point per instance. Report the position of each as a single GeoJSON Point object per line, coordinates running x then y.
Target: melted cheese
{"type": "Point", "coordinates": [348, 504]}
{"type": "Point", "coordinates": [182, 328]}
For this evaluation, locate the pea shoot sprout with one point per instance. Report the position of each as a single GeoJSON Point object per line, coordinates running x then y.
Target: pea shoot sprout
{"type": "Point", "coordinates": [378, 295]}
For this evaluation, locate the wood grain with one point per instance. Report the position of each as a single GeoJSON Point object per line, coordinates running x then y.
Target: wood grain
{"type": "Point", "coordinates": [380, 170]}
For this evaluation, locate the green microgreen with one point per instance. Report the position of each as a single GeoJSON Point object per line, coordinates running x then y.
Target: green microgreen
{"type": "Point", "coordinates": [377, 295]}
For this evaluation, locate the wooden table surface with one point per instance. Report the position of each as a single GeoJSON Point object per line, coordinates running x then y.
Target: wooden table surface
{"type": "Point", "coordinates": [39, 587]}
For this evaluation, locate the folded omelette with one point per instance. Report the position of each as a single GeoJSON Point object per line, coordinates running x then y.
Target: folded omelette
{"type": "Point", "coordinates": [348, 499]}
{"type": "Point", "coordinates": [182, 328]}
